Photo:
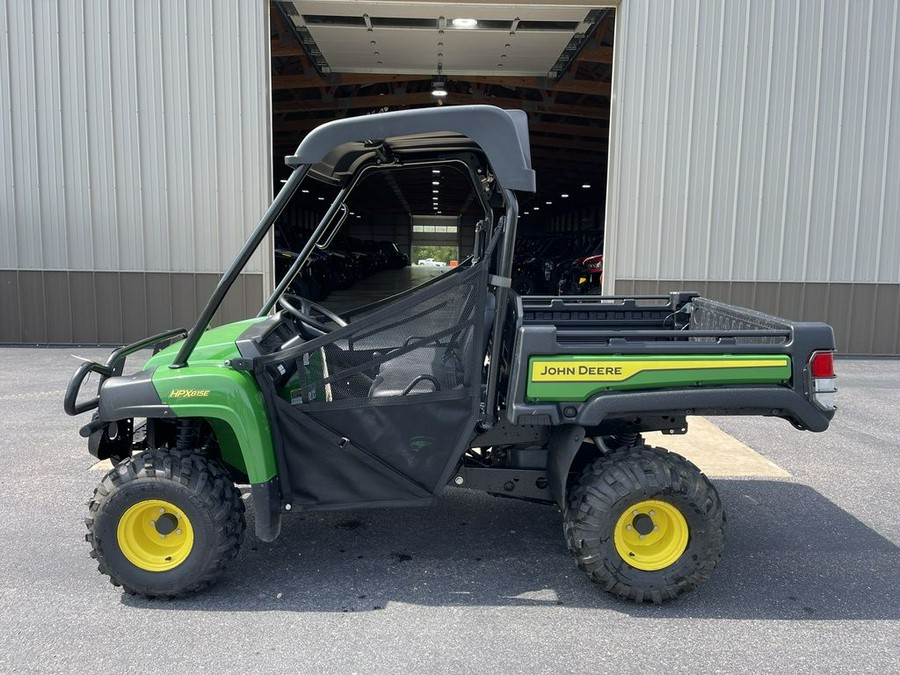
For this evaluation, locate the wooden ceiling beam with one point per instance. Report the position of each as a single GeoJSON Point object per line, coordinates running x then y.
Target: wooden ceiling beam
{"type": "Point", "coordinates": [586, 87]}
{"type": "Point", "coordinates": [280, 48]}
{"type": "Point", "coordinates": [595, 53]}
{"type": "Point", "coordinates": [424, 98]}
{"type": "Point", "coordinates": [312, 80]}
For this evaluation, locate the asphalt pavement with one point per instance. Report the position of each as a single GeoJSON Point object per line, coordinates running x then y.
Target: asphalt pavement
{"type": "Point", "coordinates": [809, 581]}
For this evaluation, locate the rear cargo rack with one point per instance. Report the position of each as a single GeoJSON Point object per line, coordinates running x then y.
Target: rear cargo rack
{"type": "Point", "coordinates": [653, 311]}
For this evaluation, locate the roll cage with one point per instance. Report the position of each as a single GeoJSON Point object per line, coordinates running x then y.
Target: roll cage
{"type": "Point", "coordinates": [488, 143]}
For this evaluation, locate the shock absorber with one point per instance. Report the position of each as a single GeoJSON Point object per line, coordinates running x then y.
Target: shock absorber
{"type": "Point", "coordinates": [188, 434]}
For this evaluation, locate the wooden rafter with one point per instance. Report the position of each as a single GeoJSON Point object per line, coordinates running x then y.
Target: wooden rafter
{"type": "Point", "coordinates": [425, 98]}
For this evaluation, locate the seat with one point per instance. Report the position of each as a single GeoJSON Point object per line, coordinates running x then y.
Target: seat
{"type": "Point", "coordinates": [438, 367]}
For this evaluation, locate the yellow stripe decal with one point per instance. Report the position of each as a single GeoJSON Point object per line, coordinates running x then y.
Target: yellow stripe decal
{"type": "Point", "coordinates": [619, 371]}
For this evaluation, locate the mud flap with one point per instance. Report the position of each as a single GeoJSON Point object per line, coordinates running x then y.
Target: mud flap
{"type": "Point", "coordinates": [565, 442]}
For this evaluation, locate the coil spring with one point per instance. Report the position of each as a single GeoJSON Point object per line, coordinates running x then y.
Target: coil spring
{"type": "Point", "coordinates": [188, 435]}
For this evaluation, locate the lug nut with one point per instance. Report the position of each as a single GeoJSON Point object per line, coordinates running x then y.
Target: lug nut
{"type": "Point", "coordinates": [177, 531]}
{"type": "Point", "coordinates": [162, 510]}
{"type": "Point", "coordinates": [152, 523]}
{"type": "Point", "coordinates": [629, 527]}
{"type": "Point", "coordinates": [162, 536]}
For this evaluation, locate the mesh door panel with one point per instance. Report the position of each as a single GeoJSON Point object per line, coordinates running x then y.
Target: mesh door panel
{"type": "Point", "coordinates": [424, 347]}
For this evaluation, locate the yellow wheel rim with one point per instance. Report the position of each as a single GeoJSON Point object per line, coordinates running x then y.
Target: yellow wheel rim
{"type": "Point", "coordinates": [155, 535]}
{"type": "Point", "coordinates": [651, 535]}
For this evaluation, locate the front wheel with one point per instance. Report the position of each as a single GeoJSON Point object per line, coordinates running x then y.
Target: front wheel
{"type": "Point", "coordinates": [645, 524]}
{"type": "Point", "coordinates": [165, 523]}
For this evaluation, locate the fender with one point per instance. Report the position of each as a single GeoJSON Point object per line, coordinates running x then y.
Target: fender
{"type": "Point", "coordinates": [228, 399]}
{"type": "Point", "coordinates": [565, 441]}
{"type": "Point", "coordinates": [233, 404]}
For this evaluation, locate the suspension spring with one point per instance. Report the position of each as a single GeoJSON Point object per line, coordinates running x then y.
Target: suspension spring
{"type": "Point", "coordinates": [188, 437]}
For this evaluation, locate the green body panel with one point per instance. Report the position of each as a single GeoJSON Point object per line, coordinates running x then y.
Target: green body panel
{"type": "Point", "coordinates": [215, 346]}
{"type": "Point", "coordinates": [229, 399]}
{"type": "Point", "coordinates": [579, 377]}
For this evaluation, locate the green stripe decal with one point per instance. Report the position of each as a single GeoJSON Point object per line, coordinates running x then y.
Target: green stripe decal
{"type": "Point", "coordinates": [577, 378]}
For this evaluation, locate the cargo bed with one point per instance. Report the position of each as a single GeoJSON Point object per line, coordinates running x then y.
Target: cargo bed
{"type": "Point", "coordinates": [595, 360]}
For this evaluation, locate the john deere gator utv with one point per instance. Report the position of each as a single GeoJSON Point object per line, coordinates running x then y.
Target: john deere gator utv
{"type": "Point", "coordinates": [458, 382]}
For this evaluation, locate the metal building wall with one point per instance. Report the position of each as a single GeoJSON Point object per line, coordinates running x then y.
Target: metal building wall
{"type": "Point", "coordinates": [755, 157]}
{"type": "Point", "coordinates": [135, 157]}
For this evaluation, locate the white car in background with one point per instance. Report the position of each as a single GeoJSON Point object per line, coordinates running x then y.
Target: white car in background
{"type": "Point", "coordinates": [431, 262]}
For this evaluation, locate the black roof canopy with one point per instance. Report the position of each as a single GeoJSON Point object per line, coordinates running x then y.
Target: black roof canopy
{"type": "Point", "coordinates": [337, 148]}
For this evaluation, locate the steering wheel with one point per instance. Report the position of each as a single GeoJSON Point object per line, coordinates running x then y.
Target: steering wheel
{"type": "Point", "coordinates": [290, 303]}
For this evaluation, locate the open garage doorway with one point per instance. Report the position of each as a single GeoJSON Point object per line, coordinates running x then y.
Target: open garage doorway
{"type": "Point", "coordinates": [333, 59]}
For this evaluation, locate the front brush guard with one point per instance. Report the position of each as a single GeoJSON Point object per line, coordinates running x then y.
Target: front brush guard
{"type": "Point", "coordinates": [113, 366]}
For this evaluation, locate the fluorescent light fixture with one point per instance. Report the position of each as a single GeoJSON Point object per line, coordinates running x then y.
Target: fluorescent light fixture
{"type": "Point", "coordinates": [434, 191]}
{"type": "Point", "coordinates": [548, 203]}
{"type": "Point", "coordinates": [564, 195]}
{"type": "Point", "coordinates": [304, 191]}
{"type": "Point", "coordinates": [321, 199]}
{"type": "Point", "coordinates": [586, 185]}
{"type": "Point", "coordinates": [437, 171]}
{"type": "Point", "coordinates": [464, 23]}
{"type": "Point", "coordinates": [536, 208]}
{"type": "Point", "coordinates": [435, 182]}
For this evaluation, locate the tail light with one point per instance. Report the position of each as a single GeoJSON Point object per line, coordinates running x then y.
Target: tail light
{"type": "Point", "coordinates": [821, 370]}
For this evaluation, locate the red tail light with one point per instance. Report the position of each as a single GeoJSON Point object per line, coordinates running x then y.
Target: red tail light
{"type": "Point", "coordinates": [822, 364]}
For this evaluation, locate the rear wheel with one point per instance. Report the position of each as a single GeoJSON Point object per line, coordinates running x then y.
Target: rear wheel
{"type": "Point", "coordinates": [645, 524]}
{"type": "Point", "coordinates": [165, 523]}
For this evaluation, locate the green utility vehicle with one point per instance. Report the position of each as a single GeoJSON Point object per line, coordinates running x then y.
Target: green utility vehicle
{"type": "Point", "coordinates": [458, 382]}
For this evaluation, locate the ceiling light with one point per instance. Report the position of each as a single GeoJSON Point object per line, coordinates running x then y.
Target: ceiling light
{"type": "Point", "coordinates": [586, 185]}
{"type": "Point", "coordinates": [537, 208]}
{"type": "Point", "coordinates": [305, 191]}
{"type": "Point", "coordinates": [439, 88]}
{"type": "Point", "coordinates": [525, 213]}
{"type": "Point", "coordinates": [435, 182]}
{"type": "Point", "coordinates": [564, 195]}
{"type": "Point", "coordinates": [435, 171]}
{"type": "Point", "coordinates": [464, 23]}
{"type": "Point", "coordinates": [548, 203]}
{"type": "Point", "coordinates": [321, 199]}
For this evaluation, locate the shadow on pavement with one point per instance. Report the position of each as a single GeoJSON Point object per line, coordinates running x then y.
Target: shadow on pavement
{"type": "Point", "coordinates": [791, 554]}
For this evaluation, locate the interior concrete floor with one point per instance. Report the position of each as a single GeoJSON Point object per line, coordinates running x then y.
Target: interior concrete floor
{"type": "Point", "coordinates": [379, 286]}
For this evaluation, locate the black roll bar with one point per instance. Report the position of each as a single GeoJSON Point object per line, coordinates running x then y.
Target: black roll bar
{"type": "Point", "coordinates": [305, 252]}
{"type": "Point", "coordinates": [504, 271]}
{"type": "Point", "coordinates": [247, 250]}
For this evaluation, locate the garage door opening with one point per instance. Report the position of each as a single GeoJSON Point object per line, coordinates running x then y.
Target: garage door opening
{"type": "Point", "coordinates": [335, 59]}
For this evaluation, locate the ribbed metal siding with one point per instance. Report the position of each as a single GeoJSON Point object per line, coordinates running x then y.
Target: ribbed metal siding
{"type": "Point", "coordinates": [135, 135]}
{"type": "Point", "coordinates": [755, 140]}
